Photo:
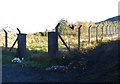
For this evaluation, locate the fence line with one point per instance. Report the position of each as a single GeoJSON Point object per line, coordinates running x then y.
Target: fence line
{"type": "Point", "coordinates": [96, 34]}
{"type": "Point", "coordinates": [100, 33]}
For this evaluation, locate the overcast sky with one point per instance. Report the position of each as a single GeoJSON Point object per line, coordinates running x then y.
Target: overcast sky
{"type": "Point", "coordinates": [37, 15]}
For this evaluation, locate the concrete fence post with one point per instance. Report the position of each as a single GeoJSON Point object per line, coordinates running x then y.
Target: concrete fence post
{"type": "Point", "coordinates": [52, 43]}
{"type": "Point", "coordinates": [21, 45]}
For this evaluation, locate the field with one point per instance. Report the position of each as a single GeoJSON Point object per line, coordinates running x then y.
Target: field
{"type": "Point", "coordinates": [39, 40]}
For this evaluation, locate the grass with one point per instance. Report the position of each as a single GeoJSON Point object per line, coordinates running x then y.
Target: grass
{"type": "Point", "coordinates": [7, 56]}
{"type": "Point", "coordinates": [32, 58]}
{"type": "Point", "coordinates": [42, 61]}
{"type": "Point", "coordinates": [38, 58]}
{"type": "Point", "coordinates": [0, 55]}
{"type": "Point", "coordinates": [37, 47]}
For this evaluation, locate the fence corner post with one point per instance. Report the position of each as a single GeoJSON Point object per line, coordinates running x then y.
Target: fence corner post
{"type": "Point", "coordinates": [21, 45]}
{"type": "Point", "coordinates": [52, 43]}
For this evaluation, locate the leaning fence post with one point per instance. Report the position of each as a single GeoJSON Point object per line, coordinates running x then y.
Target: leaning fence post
{"type": "Point", "coordinates": [15, 40]}
{"type": "Point", "coordinates": [56, 31]}
{"type": "Point", "coordinates": [6, 41]}
{"type": "Point", "coordinates": [79, 32]}
{"type": "Point", "coordinates": [89, 34]}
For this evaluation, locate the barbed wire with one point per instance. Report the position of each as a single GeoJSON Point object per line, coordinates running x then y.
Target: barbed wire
{"type": "Point", "coordinates": [6, 29]}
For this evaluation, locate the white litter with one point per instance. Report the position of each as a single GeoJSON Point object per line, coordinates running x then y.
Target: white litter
{"type": "Point", "coordinates": [16, 60]}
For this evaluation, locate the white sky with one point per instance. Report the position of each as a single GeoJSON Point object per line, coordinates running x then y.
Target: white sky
{"type": "Point", "coordinates": [37, 15]}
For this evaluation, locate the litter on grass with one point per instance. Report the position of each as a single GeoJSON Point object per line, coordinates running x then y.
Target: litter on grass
{"type": "Point", "coordinates": [17, 60]}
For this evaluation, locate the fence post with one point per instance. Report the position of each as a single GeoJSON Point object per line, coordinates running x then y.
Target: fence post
{"type": "Point", "coordinates": [115, 29]}
{"type": "Point", "coordinates": [97, 33]}
{"type": "Point", "coordinates": [21, 45]}
{"type": "Point", "coordinates": [89, 34]}
{"type": "Point", "coordinates": [109, 30]}
{"type": "Point", "coordinates": [106, 30]}
{"type": "Point", "coordinates": [102, 33]}
{"type": "Point", "coordinates": [52, 43]}
{"type": "Point", "coordinates": [79, 32]}
{"type": "Point", "coordinates": [6, 41]}
{"type": "Point", "coordinates": [112, 30]}
{"type": "Point", "coordinates": [56, 31]}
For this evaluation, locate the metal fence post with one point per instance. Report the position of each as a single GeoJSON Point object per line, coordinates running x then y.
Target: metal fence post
{"type": "Point", "coordinates": [79, 32]}
{"type": "Point", "coordinates": [102, 33]}
{"type": "Point", "coordinates": [97, 34]}
{"type": "Point", "coordinates": [89, 34]}
{"type": "Point", "coordinates": [109, 30]}
{"type": "Point", "coordinates": [106, 30]}
{"type": "Point", "coordinates": [6, 41]}
{"type": "Point", "coordinates": [115, 29]}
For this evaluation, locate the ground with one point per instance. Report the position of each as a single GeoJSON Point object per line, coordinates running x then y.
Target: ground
{"type": "Point", "coordinates": [102, 66]}
{"type": "Point", "coordinates": [13, 73]}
